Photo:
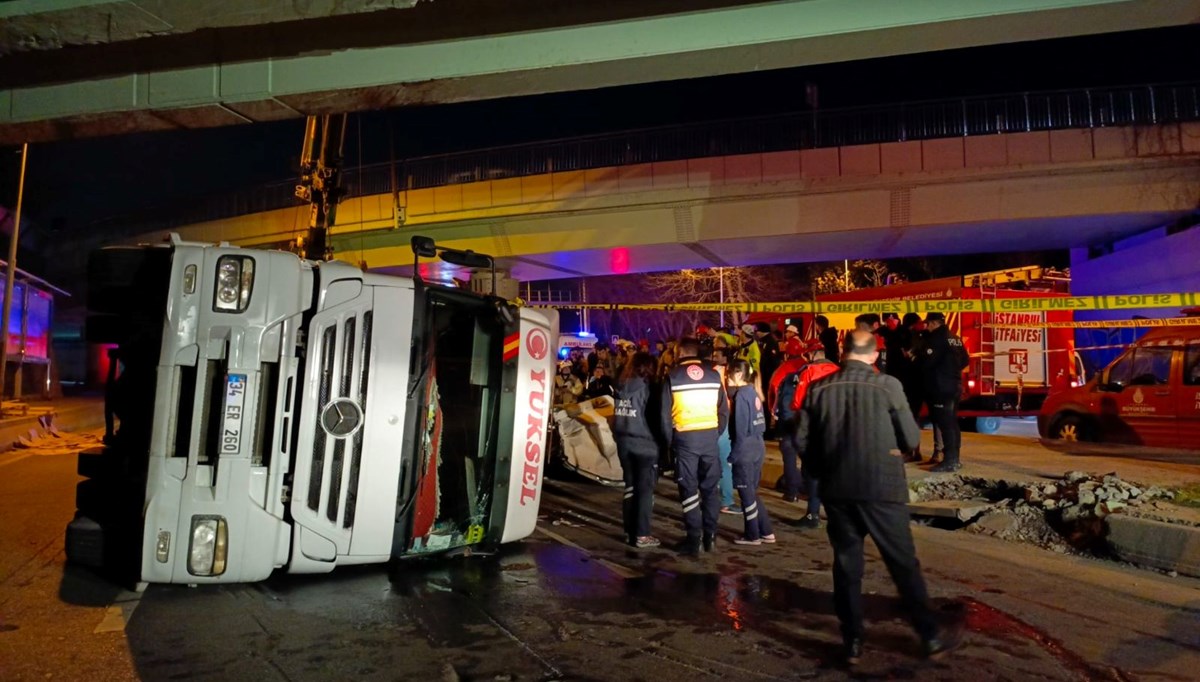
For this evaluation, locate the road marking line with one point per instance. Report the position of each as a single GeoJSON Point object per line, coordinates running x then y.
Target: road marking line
{"type": "Point", "coordinates": [16, 459]}
{"type": "Point", "coordinates": [117, 615]}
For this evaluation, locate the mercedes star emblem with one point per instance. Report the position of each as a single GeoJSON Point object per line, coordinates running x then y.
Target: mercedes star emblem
{"type": "Point", "coordinates": [341, 417]}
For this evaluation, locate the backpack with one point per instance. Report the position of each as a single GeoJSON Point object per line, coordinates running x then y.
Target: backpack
{"type": "Point", "coordinates": [784, 395]}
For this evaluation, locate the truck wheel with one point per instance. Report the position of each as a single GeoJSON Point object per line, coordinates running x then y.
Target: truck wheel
{"type": "Point", "coordinates": [85, 542]}
{"type": "Point", "coordinates": [987, 424]}
{"type": "Point", "coordinates": [1071, 428]}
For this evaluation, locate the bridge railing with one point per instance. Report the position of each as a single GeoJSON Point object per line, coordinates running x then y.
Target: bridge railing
{"type": "Point", "coordinates": [989, 115]}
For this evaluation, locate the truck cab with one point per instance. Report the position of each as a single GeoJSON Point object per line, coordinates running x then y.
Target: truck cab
{"type": "Point", "coordinates": [1149, 395]}
{"type": "Point", "coordinates": [266, 412]}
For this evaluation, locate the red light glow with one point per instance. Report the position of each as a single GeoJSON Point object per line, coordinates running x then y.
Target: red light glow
{"type": "Point", "coordinates": [618, 260]}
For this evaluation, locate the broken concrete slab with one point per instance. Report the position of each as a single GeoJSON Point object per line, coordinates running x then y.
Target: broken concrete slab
{"type": "Point", "coordinates": [1167, 546]}
{"type": "Point", "coordinates": [997, 523]}
{"type": "Point", "coordinates": [962, 510]}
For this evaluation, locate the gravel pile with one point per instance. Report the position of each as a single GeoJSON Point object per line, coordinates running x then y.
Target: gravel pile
{"type": "Point", "coordinates": [1080, 496]}
{"type": "Point", "coordinates": [1062, 515]}
{"type": "Point", "coordinates": [961, 488]}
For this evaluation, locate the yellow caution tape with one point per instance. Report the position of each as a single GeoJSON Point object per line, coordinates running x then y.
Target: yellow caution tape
{"type": "Point", "coordinates": [989, 305]}
{"type": "Point", "coordinates": [1105, 324]}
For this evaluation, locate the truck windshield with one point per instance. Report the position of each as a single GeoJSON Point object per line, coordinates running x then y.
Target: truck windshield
{"type": "Point", "coordinates": [458, 387]}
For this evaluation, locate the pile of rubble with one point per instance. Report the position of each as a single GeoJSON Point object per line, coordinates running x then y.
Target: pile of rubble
{"type": "Point", "coordinates": [1063, 515]}
{"type": "Point", "coordinates": [961, 488]}
{"type": "Point", "coordinates": [1080, 496]}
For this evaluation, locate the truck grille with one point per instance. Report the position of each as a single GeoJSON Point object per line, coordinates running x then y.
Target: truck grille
{"type": "Point", "coordinates": [343, 371]}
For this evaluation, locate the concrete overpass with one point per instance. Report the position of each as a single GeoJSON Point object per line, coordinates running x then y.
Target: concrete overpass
{"type": "Point", "coordinates": [71, 68]}
{"type": "Point", "coordinates": [1048, 189]}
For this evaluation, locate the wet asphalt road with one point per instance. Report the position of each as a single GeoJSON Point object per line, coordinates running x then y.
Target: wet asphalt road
{"type": "Point", "coordinates": [573, 603]}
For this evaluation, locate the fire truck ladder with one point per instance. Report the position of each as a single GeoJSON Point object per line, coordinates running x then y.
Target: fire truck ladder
{"type": "Point", "coordinates": [987, 341]}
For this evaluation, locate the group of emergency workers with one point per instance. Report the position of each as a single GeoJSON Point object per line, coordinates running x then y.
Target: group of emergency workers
{"type": "Point", "coordinates": [778, 368]}
{"type": "Point", "coordinates": [708, 413]}
{"type": "Point", "coordinates": [705, 421]}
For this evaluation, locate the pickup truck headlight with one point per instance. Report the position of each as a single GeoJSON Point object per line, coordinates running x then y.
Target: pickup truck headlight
{"type": "Point", "coordinates": [235, 280]}
{"type": "Point", "coordinates": [206, 555]}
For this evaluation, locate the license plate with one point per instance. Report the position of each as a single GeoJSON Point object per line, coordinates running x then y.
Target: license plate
{"type": "Point", "coordinates": [235, 399]}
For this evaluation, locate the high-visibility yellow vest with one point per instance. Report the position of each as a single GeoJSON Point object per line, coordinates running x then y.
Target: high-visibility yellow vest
{"type": "Point", "coordinates": [695, 390]}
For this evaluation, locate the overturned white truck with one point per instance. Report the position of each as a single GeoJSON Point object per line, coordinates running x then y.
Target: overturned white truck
{"type": "Point", "coordinates": [266, 412]}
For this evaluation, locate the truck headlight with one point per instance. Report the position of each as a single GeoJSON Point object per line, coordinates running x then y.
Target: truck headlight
{"type": "Point", "coordinates": [206, 555]}
{"type": "Point", "coordinates": [235, 280]}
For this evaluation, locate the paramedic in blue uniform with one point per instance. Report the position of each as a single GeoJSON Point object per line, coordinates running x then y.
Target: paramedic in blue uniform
{"type": "Point", "coordinates": [694, 412]}
{"type": "Point", "coordinates": [635, 429]}
{"type": "Point", "coordinates": [747, 424]}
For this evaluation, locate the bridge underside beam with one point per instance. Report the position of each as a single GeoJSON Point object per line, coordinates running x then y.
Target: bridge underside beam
{"type": "Point", "coordinates": [222, 82]}
{"type": "Point", "coordinates": [775, 222]}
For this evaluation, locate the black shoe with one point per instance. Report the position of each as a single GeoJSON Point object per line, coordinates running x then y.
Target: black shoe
{"type": "Point", "coordinates": [852, 651]}
{"type": "Point", "coordinates": [710, 544]}
{"type": "Point", "coordinates": [913, 457]}
{"type": "Point", "coordinates": [689, 547]}
{"type": "Point", "coordinates": [791, 497]}
{"type": "Point", "coordinates": [946, 467]}
{"type": "Point", "coordinates": [809, 521]}
{"type": "Point", "coordinates": [948, 639]}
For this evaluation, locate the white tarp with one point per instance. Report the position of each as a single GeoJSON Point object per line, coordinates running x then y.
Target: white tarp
{"type": "Point", "coordinates": [588, 446]}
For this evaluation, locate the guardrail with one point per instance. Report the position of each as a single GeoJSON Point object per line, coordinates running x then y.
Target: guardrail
{"type": "Point", "coordinates": [988, 115]}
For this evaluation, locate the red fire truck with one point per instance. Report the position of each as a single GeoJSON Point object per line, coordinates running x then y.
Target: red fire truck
{"type": "Point", "coordinates": [1012, 370]}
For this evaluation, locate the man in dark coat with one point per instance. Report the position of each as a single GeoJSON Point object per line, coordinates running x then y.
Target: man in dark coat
{"type": "Point", "coordinates": [942, 366]}
{"type": "Point", "coordinates": [828, 336]}
{"type": "Point", "coordinates": [854, 425]}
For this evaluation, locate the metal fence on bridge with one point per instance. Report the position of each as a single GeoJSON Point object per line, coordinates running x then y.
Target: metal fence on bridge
{"type": "Point", "coordinates": [989, 115]}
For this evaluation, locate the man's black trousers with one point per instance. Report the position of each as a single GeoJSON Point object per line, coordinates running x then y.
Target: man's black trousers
{"type": "Point", "coordinates": [943, 412]}
{"type": "Point", "coordinates": [888, 525]}
{"type": "Point", "coordinates": [786, 428]}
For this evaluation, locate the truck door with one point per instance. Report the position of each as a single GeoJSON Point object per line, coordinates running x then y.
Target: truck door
{"type": "Point", "coordinates": [1140, 405]}
{"type": "Point", "coordinates": [1189, 399]}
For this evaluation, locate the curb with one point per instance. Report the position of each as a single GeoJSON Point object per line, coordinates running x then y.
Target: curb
{"type": "Point", "coordinates": [1166, 546]}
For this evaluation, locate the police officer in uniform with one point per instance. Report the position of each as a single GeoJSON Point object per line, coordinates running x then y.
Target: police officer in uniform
{"type": "Point", "coordinates": [695, 410]}
{"type": "Point", "coordinates": [942, 365]}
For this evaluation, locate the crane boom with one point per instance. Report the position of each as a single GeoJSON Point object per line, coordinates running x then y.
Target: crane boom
{"type": "Point", "coordinates": [320, 181]}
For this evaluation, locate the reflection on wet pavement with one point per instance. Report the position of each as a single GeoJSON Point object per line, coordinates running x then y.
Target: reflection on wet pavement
{"type": "Point", "coordinates": [547, 610]}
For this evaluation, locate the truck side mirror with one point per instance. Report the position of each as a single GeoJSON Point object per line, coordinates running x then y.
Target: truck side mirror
{"type": "Point", "coordinates": [423, 247]}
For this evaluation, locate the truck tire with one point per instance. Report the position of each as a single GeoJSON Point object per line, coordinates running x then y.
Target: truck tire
{"type": "Point", "coordinates": [85, 542]}
{"type": "Point", "coordinates": [92, 464]}
{"type": "Point", "coordinates": [1070, 428]}
{"type": "Point", "coordinates": [987, 425]}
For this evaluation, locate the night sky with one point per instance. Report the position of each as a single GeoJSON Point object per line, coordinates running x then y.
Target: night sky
{"type": "Point", "coordinates": [72, 183]}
